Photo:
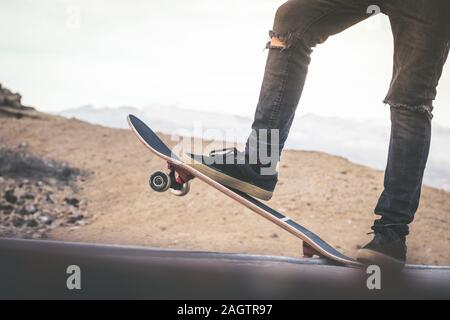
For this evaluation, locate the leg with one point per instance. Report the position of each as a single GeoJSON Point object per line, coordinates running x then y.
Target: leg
{"type": "Point", "coordinates": [299, 26]}
{"type": "Point", "coordinates": [408, 154]}
{"type": "Point", "coordinates": [421, 36]}
{"type": "Point", "coordinates": [422, 39]}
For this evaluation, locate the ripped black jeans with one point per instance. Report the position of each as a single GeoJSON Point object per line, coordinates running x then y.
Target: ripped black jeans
{"type": "Point", "coordinates": [421, 30]}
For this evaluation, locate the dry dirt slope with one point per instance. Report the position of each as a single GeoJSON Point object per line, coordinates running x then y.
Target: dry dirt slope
{"type": "Point", "coordinates": [328, 194]}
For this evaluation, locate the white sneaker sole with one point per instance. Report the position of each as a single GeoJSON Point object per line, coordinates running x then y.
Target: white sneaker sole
{"type": "Point", "coordinates": [228, 181]}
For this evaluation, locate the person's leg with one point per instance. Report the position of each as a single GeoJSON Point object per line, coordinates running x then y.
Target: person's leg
{"type": "Point", "coordinates": [421, 37]}
{"type": "Point", "coordinates": [299, 26]}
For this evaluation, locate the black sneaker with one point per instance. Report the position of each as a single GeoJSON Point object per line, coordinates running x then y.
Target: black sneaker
{"type": "Point", "coordinates": [230, 168]}
{"type": "Point", "coordinates": [387, 249]}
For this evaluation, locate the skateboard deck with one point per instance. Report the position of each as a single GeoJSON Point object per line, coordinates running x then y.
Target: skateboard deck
{"type": "Point", "coordinates": [312, 243]}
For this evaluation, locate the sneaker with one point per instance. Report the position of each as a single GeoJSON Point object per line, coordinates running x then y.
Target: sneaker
{"type": "Point", "coordinates": [230, 168]}
{"type": "Point", "coordinates": [387, 249]}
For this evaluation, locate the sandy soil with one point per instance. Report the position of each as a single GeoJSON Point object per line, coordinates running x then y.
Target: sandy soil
{"type": "Point", "coordinates": [328, 194]}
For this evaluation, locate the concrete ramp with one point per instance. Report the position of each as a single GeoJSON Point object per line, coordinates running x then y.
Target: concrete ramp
{"type": "Point", "coordinates": [38, 269]}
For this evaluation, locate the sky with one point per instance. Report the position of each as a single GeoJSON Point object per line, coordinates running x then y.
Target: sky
{"type": "Point", "coordinates": [203, 55]}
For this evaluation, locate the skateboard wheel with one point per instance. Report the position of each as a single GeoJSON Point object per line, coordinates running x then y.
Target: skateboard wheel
{"type": "Point", "coordinates": [183, 191]}
{"type": "Point", "coordinates": [160, 182]}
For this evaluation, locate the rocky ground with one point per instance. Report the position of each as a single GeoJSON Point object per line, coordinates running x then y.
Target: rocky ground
{"type": "Point", "coordinates": [10, 99]}
{"type": "Point", "coordinates": [38, 195]}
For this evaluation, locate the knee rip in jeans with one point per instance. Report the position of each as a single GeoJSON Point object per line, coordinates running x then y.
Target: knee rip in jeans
{"type": "Point", "coordinates": [279, 41]}
{"type": "Point", "coordinates": [422, 109]}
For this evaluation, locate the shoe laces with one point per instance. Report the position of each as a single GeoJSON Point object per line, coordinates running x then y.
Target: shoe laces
{"type": "Point", "coordinates": [390, 231]}
{"type": "Point", "coordinates": [224, 152]}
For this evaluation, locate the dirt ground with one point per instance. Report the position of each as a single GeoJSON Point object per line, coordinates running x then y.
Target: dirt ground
{"type": "Point", "coordinates": [328, 194]}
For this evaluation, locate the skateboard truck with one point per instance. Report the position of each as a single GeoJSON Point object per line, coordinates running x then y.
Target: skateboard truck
{"type": "Point", "coordinates": [177, 180]}
{"type": "Point", "coordinates": [309, 252]}
{"type": "Point", "coordinates": [179, 175]}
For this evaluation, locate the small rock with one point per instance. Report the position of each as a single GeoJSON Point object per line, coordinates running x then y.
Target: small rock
{"type": "Point", "coordinates": [72, 212]}
{"type": "Point", "coordinates": [24, 183]}
{"type": "Point", "coordinates": [74, 219]}
{"type": "Point", "coordinates": [71, 220]}
{"type": "Point", "coordinates": [10, 196]}
{"type": "Point", "coordinates": [36, 236]}
{"type": "Point", "coordinates": [46, 219]}
{"type": "Point", "coordinates": [18, 222]}
{"type": "Point", "coordinates": [274, 235]}
{"type": "Point", "coordinates": [72, 201]}
{"type": "Point", "coordinates": [49, 198]}
{"type": "Point", "coordinates": [32, 223]}
{"type": "Point", "coordinates": [81, 223]}
{"type": "Point", "coordinates": [28, 209]}
{"type": "Point", "coordinates": [2, 180]}
{"type": "Point", "coordinates": [6, 208]}
{"type": "Point", "coordinates": [47, 189]}
{"type": "Point", "coordinates": [28, 196]}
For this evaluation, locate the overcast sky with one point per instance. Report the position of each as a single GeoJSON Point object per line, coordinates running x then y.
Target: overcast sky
{"type": "Point", "coordinates": [200, 54]}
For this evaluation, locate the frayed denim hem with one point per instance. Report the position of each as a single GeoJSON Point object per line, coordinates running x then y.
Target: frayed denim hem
{"type": "Point", "coordinates": [426, 109]}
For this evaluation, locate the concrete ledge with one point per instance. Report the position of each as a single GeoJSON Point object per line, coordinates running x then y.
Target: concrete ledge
{"type": "Point", "coordinates": [37, 269]}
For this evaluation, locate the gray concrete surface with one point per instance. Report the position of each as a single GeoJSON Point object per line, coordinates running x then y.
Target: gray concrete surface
{"type": "Point", "coordinates": [37, 270]}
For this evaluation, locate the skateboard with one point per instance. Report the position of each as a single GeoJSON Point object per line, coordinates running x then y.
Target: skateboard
{"type": "Point", "coordinates": [179, 178]}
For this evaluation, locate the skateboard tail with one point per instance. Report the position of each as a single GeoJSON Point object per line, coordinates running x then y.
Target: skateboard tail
{"type": "Point", "coordinates": [144, 133]}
